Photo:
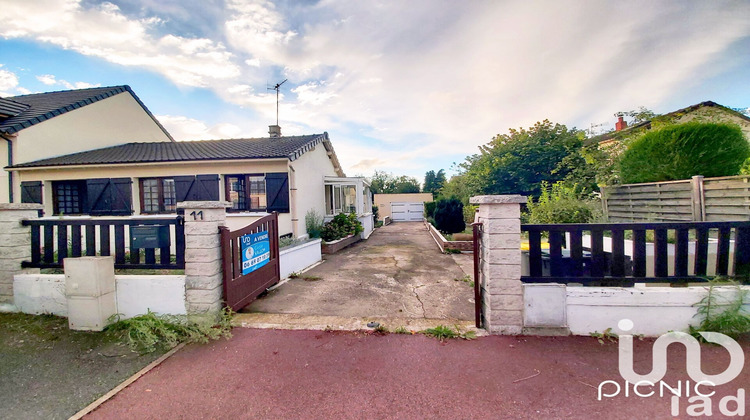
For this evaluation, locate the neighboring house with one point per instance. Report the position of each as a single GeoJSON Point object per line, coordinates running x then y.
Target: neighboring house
{"type": "Point", "coordinates": [704, 112]}
{"type": "Point", "coordinates": [291, 175]}
{"type": "Point", "coordinates": [402, 207]}
{"type": "Point", "coordinates": [45, 125]}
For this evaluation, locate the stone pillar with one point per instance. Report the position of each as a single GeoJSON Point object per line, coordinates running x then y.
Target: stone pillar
{"type": "Point", "coordinates": [203, 274]}
{"type": "Point", "coordinates": [500, 272]}
{"type": "Point", "coordinates": [15, 245]}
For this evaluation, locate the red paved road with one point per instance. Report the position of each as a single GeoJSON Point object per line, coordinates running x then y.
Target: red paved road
{"type": "Point", "coordinates": [330, 375]}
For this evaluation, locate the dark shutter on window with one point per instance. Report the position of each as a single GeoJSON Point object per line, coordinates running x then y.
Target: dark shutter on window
{"type": "Point", "coordinates": [105, 196]}
{"type": "Point", "coordinates": [31, 192]}
{"type": "Point", "coordinates": [277, 192]}
{"type": "Point", "coordinates": [197, 188]}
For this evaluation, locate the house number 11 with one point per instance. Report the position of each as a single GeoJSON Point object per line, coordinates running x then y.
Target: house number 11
{"type": "Point", "coordinates": [197, 215]}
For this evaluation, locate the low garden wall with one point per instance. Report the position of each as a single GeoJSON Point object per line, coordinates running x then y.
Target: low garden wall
{"type": "Point", "coordinates": [135, 294]}
{"type": "Point", "coordinates": [339, 244]}
{"type": "Point", "coordinates": [295, 259]}
{"type": "Point", "coordinates": [443, 244]}
{"type": "Point", "coordinates": [585, 310]}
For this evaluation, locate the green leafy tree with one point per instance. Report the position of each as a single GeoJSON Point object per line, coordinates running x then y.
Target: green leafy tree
{"type": "Point", "coordinates": [459, 186]}
{"type": "Point", "coordinates": [518, 162]}
{"type": "Point", "coordinates": [681, 151]}
{"type": "Point", "coordinates": [433, 182]}
{"type": "Point", "coordinates": [387, 183]}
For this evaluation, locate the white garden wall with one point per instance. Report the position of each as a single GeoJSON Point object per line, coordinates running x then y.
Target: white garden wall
{"type": "Point", "coordinates": [584, 310]}
{"type": "Point", "coordinates": [45, 294]}
{"type": "Point", "coordinates": [298, 258]}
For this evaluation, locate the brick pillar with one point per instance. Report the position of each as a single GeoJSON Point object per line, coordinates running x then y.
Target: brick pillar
{"type": "Point", "coordinates": [203, 254]}
{"type": "Point", "coordinates": [15, 244]}
{"type": "Point", "coordinates": [500, 273]}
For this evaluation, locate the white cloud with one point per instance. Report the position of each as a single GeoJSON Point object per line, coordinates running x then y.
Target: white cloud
{"type": "Point", "coordinates": [184, 128]}
{"type": "Point", "coordinates": [8, 81]}
{"type": "Point", "coordinates": [51, 80]}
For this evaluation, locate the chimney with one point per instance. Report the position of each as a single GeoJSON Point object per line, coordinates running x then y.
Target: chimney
{"type": "Point", "coordinates": [621, 123]}
{"type": "Point", "coordinates": [274, 130]}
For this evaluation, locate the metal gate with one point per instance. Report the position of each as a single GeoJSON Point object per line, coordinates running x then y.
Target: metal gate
{"type": "Point", "coordinates": [248, 271]}
{"type": "Point", "coordinates": [407, 212]}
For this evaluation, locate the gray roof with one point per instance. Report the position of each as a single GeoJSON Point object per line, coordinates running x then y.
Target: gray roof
{"type": "Point", "coordinates": [290, 147]}
{"type": "Point", "coordinates": [10, 108]}
{"type": "Point", "coordinates": [43, 106]}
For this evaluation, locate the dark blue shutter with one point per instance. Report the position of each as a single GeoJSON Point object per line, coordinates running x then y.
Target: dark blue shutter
{"type": "Point", "coordinates": [277, 192]}
{"type": "Point", "coordinates": [31, 192]}
{"type": "Point", "coordinates": [109, 197]}
{"type": "Point", "coordinates": [197, 188]}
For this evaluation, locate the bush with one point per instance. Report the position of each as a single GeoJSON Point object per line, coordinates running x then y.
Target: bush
{"type": "Point", "coordinates": [341, 226]}
{"type": "Point", "coordinates": [681, 151]}
{"type": "Point", "coordinates": [313, 223]}
{"type": "Point", "coordinates": [429, 209]}
{"type": "Point", "coordinates": [449, 215]}
{"type": "Point", "coordinates": [375, 214]}
{"type": "Point", "coordinates": [560, 204]}
{"type": "Point", "coordinates": [469, 212]}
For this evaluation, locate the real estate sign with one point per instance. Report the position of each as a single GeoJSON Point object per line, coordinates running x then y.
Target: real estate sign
{"type": "Point", "coordinates": [256, 251]}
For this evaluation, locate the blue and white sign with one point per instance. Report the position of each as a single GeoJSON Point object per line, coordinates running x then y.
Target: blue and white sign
{"type": "Point", "coordinates": [256, 251]}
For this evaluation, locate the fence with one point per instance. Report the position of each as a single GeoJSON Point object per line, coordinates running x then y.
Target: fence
{"type": "Point", "coordinates": [54, 240]}
{"type": "Point", "coordinates": [696, 199]}
{"type": "Point", "coordinates": [622, 267]}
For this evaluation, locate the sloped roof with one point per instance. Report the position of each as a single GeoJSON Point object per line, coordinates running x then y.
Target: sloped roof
{"type": "Point", "coordinates": [290, 147]}
{"type": "Point", "coordinates": [10, 108]}
{"type": "Point", "coordinates": [44, 106]}
{"type": "Point", "coordinates": [647, 124]}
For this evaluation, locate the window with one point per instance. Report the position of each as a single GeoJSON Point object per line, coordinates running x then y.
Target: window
{"type": "Point", "coordinates": [247, 192]}
{"type": "Point", "coordinates": [68, 197]}
{"type": "Point", "coordinates": [158, 195]}
{"type": "Point", "coordinates": [341, 199]}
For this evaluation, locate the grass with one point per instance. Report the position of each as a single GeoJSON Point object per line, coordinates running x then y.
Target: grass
{"type": "Point", "coordinates": [305, 277]}
{"type": "Point", "coordinates": [442, 333]}
{"type": "Point", "coordinates": [607, 335]}
{"type": "Point", "coordinates": [724, 315]}
{"type": "Point", "coordinates": [150, 332]}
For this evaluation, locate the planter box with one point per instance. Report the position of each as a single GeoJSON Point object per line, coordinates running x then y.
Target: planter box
{"type": "Point", "coordinates": [463, 246]}
{"type": "Point", "coordinates": [338, 245]}
{"type": "Point", "coordinates": [295, 259]}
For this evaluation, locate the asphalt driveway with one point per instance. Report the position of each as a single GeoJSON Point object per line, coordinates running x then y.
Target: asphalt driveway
{"type": "Point", "coordinates": [397, 273]}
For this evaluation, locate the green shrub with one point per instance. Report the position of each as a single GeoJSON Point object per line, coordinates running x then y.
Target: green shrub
{"type": "Point", "coordinates": [469, 212]}
{"type": "Point", "coordinates": [560, 204]}
{"type": "Point", "coordinates": [429, 209]}
{"type": "Point", "coordinates": [681, 151]}
{"type": "Point", "coordinates": [375, 214]}
{"type": "Point", "coordinates": [341, 226]}
{"type": "Point", "coordinates": [313, 223]}
{"type": "Point", "coordinates": [449, 215]}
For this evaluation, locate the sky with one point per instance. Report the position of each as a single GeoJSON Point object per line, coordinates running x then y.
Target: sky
{"type": "Point", "coordinates": [400, 86]}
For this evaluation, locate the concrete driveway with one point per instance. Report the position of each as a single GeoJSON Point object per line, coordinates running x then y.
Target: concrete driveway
{"type": "Point", "coordinates": [397, 273]}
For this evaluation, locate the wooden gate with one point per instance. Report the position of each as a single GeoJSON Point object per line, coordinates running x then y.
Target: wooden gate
{"type": "Point", "coordinates": [477, 230]}
{"type": "Point", "coordinates": [247, 272]}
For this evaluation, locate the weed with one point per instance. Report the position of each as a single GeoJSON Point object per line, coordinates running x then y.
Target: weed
{"type": "Point", "coordinates": [466, 279]}
{"type": "Point", "coordinates": [442, 333]}
{"type": "Point", "coordinates": [724, 315]}
{"type": "Point", "coordinates": [452, 251]}
{"type": "Point", "coordinates": [381, 329]}
{"type": "Point", "coordinates": [607, 335]}
{"type": "Point", "coordinates": [311, 278]}
{"type": "Point", "coordinates": [146, 333]}
{"type": "Point", "coordinates": [402, 330]}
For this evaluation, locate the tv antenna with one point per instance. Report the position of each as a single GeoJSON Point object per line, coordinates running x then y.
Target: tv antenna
{"type": "Point", "coordinates": [276, 88]}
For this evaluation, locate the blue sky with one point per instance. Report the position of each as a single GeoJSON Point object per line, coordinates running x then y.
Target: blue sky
{"type": "Point", "coordinates": [404, 87]}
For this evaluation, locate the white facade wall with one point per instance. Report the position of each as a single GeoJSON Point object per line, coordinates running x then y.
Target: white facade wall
{"type": "Point", "coordinates": [306, 184]}
{"type": "Point", "coordinates": [297, 259]}
{"type": "Point", "coordinates": [136, 295]}
{"type": "Point", "coordinates": [584, 310]}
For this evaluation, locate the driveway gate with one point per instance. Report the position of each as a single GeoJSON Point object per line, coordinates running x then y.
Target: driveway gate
{"type": "Point", "coordinates": [250, 257]}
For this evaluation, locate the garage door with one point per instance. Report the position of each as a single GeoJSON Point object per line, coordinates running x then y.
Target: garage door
{"type": "Point", "coordinates": [407, 212]}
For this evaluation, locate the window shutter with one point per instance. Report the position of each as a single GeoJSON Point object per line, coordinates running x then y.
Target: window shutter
{"type": "Point", "coordinates": [277, 192]}
{"type": "Point", "coordinates": [122, 196]}
{"type": "Point", "coordinates": [197, 188]}
{"type": "Point", "coordinates": [31, 192]}
{"type": "Point", "coordinates": [109, 197]}
{"type": "Point", "coordinates": [98, 198]}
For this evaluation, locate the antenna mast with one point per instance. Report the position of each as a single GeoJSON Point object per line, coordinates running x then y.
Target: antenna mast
{"type": "Point", "coordinates": [276, 88]}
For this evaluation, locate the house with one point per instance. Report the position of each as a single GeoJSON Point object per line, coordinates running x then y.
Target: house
{"type": "Point", "coordinates": [45, 125]}
{"type": "Point", "coordinates": [292, 175]}
{"type": "Point", "coordinates": [707, 111]}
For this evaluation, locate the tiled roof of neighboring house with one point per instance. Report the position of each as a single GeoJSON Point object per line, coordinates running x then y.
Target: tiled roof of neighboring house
{"type": "Point", "coordinates": [10, 108]}
{"type": "Point", "coordinates": [290, 147]}
{"type": "Point", "coordinates": [647, 124]}
{"type": "Point", "coordinates": [44, 106]}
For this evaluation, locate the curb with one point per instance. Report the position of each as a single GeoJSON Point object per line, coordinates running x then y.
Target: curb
{"type": "Point", "coordinates": [101, 400]}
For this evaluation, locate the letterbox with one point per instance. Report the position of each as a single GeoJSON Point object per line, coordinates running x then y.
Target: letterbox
{"type": "Point", "coordinates": [149, 236]}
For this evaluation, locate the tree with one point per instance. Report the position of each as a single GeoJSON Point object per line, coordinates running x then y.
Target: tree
{"type": "Point", "coordinates": [449, 215]}
{"type": "Point", "coordinates": [433, 182]}
{"type": "Point", "coordinates": [387, 183]}
{"type": "Point", "coordinates": [518, 162]}
{"type": "Point", "coordinates": [458, 186]}
{"type": "Point", "coordinates": [638, 115]}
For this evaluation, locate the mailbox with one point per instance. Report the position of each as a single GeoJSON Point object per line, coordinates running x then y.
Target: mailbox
{"type": "Point", "coordinates": [149, 236]}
